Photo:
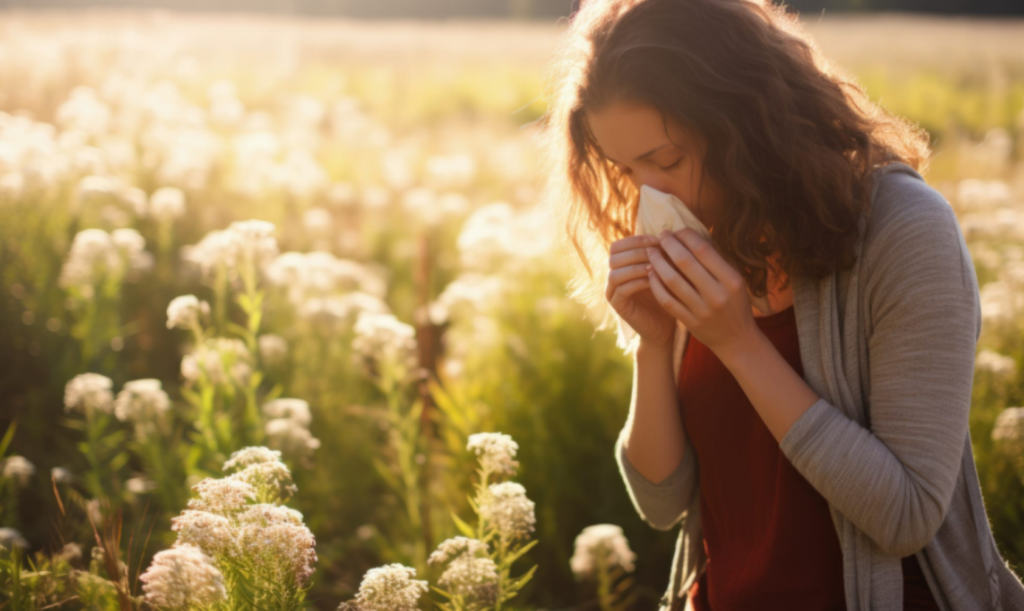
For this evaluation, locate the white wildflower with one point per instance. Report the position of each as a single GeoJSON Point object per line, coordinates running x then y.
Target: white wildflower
{"type": "Point", "coordinates": [317, 274]}
{"type": "Point", "coordinates": [96, 187]}
{"type": "Point", "coordinates": [272, 480]}
{"type": "Point", "coordinates": [92, 256]}
{"type": "Point", "coordinates": [507, 509]}
{"type": "Point", "coordinates": [222, 496]}
{"type": "Point", "coordinates": [135, 198]}
{"type": "Point", "coordinates": [294, 409]}
{"type": "Point", "coordinates": [495, 452]}
{"type": "Point", "coordinates": [273, 349]}
{"type": "Point", "coordinates": [217, 358]}
{"type": "Point", "coordinates": [210, 532]}
{"type": "Point", "coordinates": [183, 577]}
{"type": "Point", "coordinates": [185, 312]}
{"type": "Point", "coordinates": [19, 469]}
{"type": "Point", "coordinates": [71, 552]}
{"type": "Point", "coordinates": [89, 392]}
{"type": "Point", "coordinates": [998, 364]}
{"type": "Point", "coordinates": [467, 573]}
{"type": "Point", "coordinates": [290, 436]}
{"type": "Point", "coordinates": [601, 545]}
{"type": "Point", "coordinates": [214, 249]}
{"type": "Point", "coordinates": [167, 203]}
{"type": "Point", "coordinates": [140, 485]}
{"type": "Point", "coordinates": [243, 243]}
{"type": "Point", "coordinates": [253, 242]}
{"type": "Point", "coordinates": [382, 338]}
{"type": "Point", "coordinates": [61, 475]}
{"type": "Point", "coordinates": [1008, 431]}
{"type": "Point", "coordinates": [10, 537]}
{"type": "Point", "coordinates": [317, 221]}
{"type": "Point", "coordinates": [145, 404]}
{"type": "Point", "coordinates": [390, 588]}
{"type": "Point", "coordinates": [453, 171]}
{"type": "Point", "coordinates": [251, 455]}
{"type": "Point", "coordinates": [275, 538]}
{"type": "Point", "coordinates": [366, 531]}
{"type": "Point", "coordinates": [332, 309]}
{"type": "Point", "coordinates": [449, 549]}
{"type": "Point", "coordinates": [132, 247]}
{"type": "Point", "coordinates": [468, 294]}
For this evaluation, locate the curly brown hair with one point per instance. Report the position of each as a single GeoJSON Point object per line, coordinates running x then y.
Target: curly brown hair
{"type": "Point", "coordinates": [792, 139]}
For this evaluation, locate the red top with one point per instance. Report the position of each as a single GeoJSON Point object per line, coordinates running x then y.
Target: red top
{"type": "Point", "coordinates": [768, 533]}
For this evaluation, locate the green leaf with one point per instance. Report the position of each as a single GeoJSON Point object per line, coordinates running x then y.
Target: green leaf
{"type": "Point", "coordinates": [509, 559]}
{"type": "Point", "coordinates": [514, 586]}
{"type": "Point", "coordinates": [238, 329]}
{"type": "Point", "coordinates": [244, 302]}
{"type": "Point", "coordinates": [384, 470]}
{"type": "Point", "coordinates": [8, 436]}
{"type": "Point", "coordinates": [464, 528]}
{"type": "Point", "coordinates": [191, 396]}
{"type": "Point", "coordinates": [441, 592]}
{"type": "Point", "coordinates": [119, 460]}
{"type": "Point", "coordinates": [273, 393]}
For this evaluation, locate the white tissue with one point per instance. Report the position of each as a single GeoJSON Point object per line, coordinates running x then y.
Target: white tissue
{"type": "Point", "coordinates": [659, 211]}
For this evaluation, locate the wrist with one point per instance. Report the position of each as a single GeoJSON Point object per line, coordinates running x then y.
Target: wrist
{"type": "Point", "coordinates": [654, 348]}
{"type": "Point", "coordinates": [746, 353]}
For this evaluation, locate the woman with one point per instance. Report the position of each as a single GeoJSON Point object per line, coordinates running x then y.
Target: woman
{"type": "Point", "coordinates": [817, 455]}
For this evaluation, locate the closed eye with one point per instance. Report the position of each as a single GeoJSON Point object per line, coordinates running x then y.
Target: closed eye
{"type": "Point", "coordinates": [674, 165]}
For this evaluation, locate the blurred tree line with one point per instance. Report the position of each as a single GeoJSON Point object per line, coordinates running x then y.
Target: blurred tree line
{"type": "Point", "coordinates": [543, 9]}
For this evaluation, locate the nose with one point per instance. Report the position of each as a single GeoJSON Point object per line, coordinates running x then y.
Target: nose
{"type": "Point", "coordinates": [641, 177]}
{"type": "Point", "coordinates": [658, 185]}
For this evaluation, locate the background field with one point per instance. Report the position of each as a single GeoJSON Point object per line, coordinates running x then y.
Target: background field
{"type": "Point", "coordinates": [408, 149]}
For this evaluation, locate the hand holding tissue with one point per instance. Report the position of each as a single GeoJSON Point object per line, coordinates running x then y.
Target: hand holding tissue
{"type": "Point", "coordinates": [660, 211]}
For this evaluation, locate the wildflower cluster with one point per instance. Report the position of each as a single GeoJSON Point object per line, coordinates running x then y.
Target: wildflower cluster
{"type": "Point", "coordinates": [97, 257]}
{"type": "Point", "coordinates": [260, 549]}
{"type": "Point", "coordinates": [602, 554]}
{"type": "Point", "coordinates": [287, 427]}
{"type": "Point", "coordinates": [478, 563]}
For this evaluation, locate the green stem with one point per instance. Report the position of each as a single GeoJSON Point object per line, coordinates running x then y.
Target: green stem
{"type": "Point", "coordinates": [93, 432]}
{"type": "Point", "coordinates": [603, 583]}
{"type": "Point", "coordinates": [502, 569]}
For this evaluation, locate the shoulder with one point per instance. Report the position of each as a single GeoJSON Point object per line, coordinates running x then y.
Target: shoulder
{"type": "Point", "coordinates": [901, 197]}
{"type": "Point", "coordinates": [908, 216]}
{"type": "Point", "coordinates": [912, 237]}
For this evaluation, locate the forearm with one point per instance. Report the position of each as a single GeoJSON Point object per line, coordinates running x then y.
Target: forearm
{"type": "Point", "coordinates": [654, 441]}
{"type": "Point", "coordinates": [772, 386]}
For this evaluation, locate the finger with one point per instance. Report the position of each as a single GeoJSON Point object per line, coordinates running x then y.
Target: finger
{"type": "Point", "coordinates": [677, 284]}
{"type": "Point", "coordinates": [631, 242]}
{"type": "Point", "coordinates": [669, 302]}
{"type": "Point", "coordinates": [687, 262]}
{"type": "Point", "coordinates": [706, 254]}
{"type": "Point", "coordinates": [627, 257]}
{"type": "Point", "coordinates": [621, 275]}
{"type": "Point", "coordinates": [628, 289]}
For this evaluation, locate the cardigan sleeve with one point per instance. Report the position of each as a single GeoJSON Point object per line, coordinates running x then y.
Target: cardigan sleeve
{"type": "Point", "coordinates": [661, 505]}
{"type": "Point", "coordinates": [895, 479]}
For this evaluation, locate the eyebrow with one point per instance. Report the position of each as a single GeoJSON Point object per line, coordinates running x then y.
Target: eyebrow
{"type": "Point", "coordinates": [647, 154]}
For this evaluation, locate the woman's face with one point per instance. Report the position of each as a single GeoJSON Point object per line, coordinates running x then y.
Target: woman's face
{"type": "Point", "coordinates": [633, 137]}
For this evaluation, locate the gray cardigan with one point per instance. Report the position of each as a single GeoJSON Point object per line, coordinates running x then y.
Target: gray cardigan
{"type": "Point", "coordinates": [889, 347]}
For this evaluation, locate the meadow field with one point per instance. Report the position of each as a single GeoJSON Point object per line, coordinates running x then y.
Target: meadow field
{"type": "Point", "coordinates": [282, 327]}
